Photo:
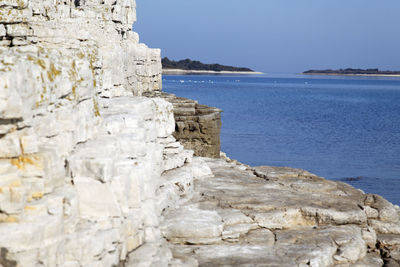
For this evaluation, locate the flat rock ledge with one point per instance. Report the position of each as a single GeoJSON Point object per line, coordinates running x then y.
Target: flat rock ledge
{"type": "Point", "coordinates": [275, 216]}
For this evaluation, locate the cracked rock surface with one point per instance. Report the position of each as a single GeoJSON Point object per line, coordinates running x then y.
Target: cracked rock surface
{"type": "Point", "coordinates": [275, 216]}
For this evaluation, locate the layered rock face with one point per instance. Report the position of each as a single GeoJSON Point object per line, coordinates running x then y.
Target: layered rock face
{"type": "Point", "coordinates": [197, 127]}
{"type": "Point", "coordinates": [92, 175]}
{"type": "Point", "coordinates": [81, 153]}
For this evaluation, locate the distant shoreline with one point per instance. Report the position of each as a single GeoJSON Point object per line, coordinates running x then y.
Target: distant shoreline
{"type": "Point", "coordinates": [354, 72]}
{"type": "Point", "coordinates": [200, 72]}
{"type": "Point", "coordinates": [343, 74]}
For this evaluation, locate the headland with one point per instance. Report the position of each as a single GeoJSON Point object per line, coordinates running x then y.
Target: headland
{"type": "Point", "coordinates": [353, 72]}
{"type": "Point", "coordinates": [187, 66]}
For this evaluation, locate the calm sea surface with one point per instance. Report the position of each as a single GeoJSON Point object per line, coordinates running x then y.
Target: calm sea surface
{"type": "Point", "coordinates": [341, 128]}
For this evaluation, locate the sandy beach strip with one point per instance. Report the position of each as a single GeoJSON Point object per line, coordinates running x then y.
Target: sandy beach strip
{"type": "Point", "coordinates": [187, 72]}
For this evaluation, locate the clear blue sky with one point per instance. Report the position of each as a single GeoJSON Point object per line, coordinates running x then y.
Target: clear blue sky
{"type": "Point", "coordinates": [286, 36]}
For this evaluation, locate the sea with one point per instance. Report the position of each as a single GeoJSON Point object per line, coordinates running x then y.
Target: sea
{"type": "Point", "coordinates": [344, 128]}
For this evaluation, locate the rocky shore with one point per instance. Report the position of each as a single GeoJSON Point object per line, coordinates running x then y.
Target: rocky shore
{"type": "Point", "coordinates": [97, 165]}
{"type": "Point", "coordinates": [275, 216]}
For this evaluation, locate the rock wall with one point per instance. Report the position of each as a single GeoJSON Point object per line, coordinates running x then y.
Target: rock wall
{"type": "Point", "coordinates": [84, 159]}
{"type": "Point", "coordinates": [91, 174]}
{"type": "Point", "coordinates": [197, 126]}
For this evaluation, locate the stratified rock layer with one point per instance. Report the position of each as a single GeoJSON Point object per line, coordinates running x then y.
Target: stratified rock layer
{"type": "Point", "coordinates": [81, 152]}
{"type": "Point", "coordinates": [197, 127]}
{"type": "Point", "coordinates": [91, 174]}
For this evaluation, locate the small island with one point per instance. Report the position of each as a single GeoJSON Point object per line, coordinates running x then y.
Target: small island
{"type": "Point", "coordinates": [188, 66]}
{"type": "Point", "coordinates": [350, 71]}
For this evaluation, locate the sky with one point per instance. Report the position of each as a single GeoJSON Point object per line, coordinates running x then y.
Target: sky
{"type": "Point", "coordinates": [275, 36]}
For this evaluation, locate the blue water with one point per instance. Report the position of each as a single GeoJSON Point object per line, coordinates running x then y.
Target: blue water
{"type": "Point", "coordinates": [341, 128]}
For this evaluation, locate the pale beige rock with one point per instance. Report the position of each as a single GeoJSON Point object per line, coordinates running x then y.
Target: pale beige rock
{"type": "Point", "coordinates": [90, 174]}
{"type": "Point", "coordinates": [385, 227]}
{"type": "Point", "coordinates": [193, 225]}
{"type": "Point", "coordinates": [15, 3]}
{"type": "Point", "coordinates": [2, 30]}
{"type": "Point", "coordinates": [282, 219]}
{"type": "Point", "coordinates": [10, 146]}
{"type": "Point", "coordinates": [90, 205]}
{"type": "Point", "coordinates": [303, 230]}
{"type": "Point", "coordinates": [18, 30]}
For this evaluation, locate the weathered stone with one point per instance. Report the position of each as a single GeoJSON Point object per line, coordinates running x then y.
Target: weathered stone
{"type": "Point", "coordinates": [10, 146]}
{"type": "Point", "coordinates": [2, 30]}
{"type": "Point", "coordinates": [308, 220]}
{"type": "Point", "coordinates": [193, 225]}
{"type": "Point", "coordinates": [12, 15]}
{"type": "Point", "coordinates": [197, 127]}
{"type": "Point", "coordinates": [92, 207]}
{"type": "Point", "coordinates": [90, 174]}
{"type": "Point", "coordinates": [18, 30]}
{"type": "Point", "coordinates": [387, 212]}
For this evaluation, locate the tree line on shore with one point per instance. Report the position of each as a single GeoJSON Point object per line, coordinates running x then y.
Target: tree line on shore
{"type": "Point", "coordinates": [350, 71]}
{"type": "Point", "coordinates": [187, 64]}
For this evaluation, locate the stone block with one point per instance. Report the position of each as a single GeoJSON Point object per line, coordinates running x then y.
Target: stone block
{"type": "Point", "coordinates": [95, 199]}
{"type": "Point", "coordinates": [12, 15]}
{"type": "Point", "coordinates": [18, 30]}
{"type": "Point", "coordinates": [10, 146]}
{"type": "Point", "coordinates": [194, 226]}
{"type": "Point", "coordinates": [12, 196]}
{"type": "Point", "coordinates": [20, 4]}
{"type": "Point", "coordinates": [2, 30]}
{"type": "Point", "coordinates": [29, 144]}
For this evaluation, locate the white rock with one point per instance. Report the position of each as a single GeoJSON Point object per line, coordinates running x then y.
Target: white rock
{"type": "Point", "coordinates": [18, 30]}
{"type": "Point", "coordinates": [281, 219]}
{"type": "Point", "coordinates": [2, 30]}
{"type": "Point", "coordinates": [10, 146]}
{"type": "Point", "coordinates": [95, 199]}
{"type": "Point", "coordinates": [194, 226]}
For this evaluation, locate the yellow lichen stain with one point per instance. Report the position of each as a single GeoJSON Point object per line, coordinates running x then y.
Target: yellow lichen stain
{"type": "Point", "coordinates": [22, 161]}
{"type": "Point", "coordinates": [6, 86]}
{"type": "Point", "coordinates": [74, 91]}
{"type": "Point", "coordinates": [52, 73]}
{"type": "Point", "coordinates": [20, 4]}
{"type": "Point", "coordinates": [40, 49]}
{"type": "Point", "coordinates": [29, 208]}
{"type": "Point", "coordinates": [1, 190]}
{"type": "Point", "coordinates": [5, 69]}
{"type": "Point", "coordinates": [9, 219]}
{"type": "Point", "coordinates": [42, 97]}
{"type": "Point", "coordinates": [92, 60]}
{"type": "Point", "coordinates": [96, 108]}
{"type": "Point", "coordinates": [72, 72]}
{"type": "Point", "coordinates": [38, 61]}
{"type": "Point", "coordinates": [12, 219]}
{"type": "Point", "coordinates": [16, 183]}
{"type": "Point", "coordinates": [73, 77]}
{"type": "Point", "coordinates": [6, 63]}
{"type": "Point", "coordinates": [81, 55]}
{"type": "Point", "coordinates": [37, 195]}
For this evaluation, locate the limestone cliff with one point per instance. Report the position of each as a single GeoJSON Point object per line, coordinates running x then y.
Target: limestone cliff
{"type": "Point", "coordinates": [81, 152]}
{"type": "Point", "coordinates": [92, 175]}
